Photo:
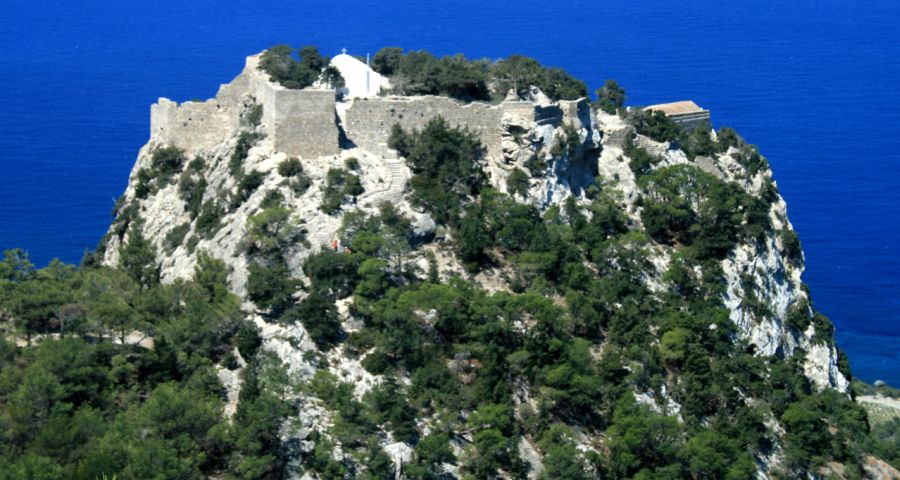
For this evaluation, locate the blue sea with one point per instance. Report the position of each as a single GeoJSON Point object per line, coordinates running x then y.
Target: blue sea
{"type": "Point", "coordinates": [814, 83]}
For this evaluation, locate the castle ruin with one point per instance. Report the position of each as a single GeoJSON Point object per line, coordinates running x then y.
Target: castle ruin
{"type": "Point", "coordinates": [309, 123]}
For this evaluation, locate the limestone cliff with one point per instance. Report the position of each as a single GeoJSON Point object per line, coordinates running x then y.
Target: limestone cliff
{"type": "Point", "coordinates": [566, 147]}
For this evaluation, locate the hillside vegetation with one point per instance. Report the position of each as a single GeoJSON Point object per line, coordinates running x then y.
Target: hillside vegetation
{"type": "Point", "coordinates": [587, 338]}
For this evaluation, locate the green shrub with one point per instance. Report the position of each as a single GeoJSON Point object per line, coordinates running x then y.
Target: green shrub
{"type": "Point", "coordinates": [300, 184]}
{"type": "Point", "coordinates": [640, 161]}
{"type": "Point", "coordinates": [290, 167]}
{"type": "Point", "coordinates": [421, 73]}
{"type": "Point", "coordinates": [176, 236]}
{"type": "Point", "coordinates": [655, 124]}
{"type": "Point", "coordinates": [246, 141]}
{"type": "Point", "coordinates": [519, 72]}
{"type": "Point", "coordinates": [517, 183]}
{"type": "Point", "coordinates": [246, 186]}
{"type": "Point", "coordinates": [167, 161]}
{"type": "Point", "coordinates": [319, 317]}
{"type": "Point", "coordinates": [192, 191]}
{"type": "Point", "coordinates": [444, 162]}
{"type": "Point", "coordinates": [338, 186]}
{"type": "Point", "coordinates": [270, 287]}
{"type": "Point", "coordinates": [197, 165]}
{"type": "Point", "coordinates": [283, 67]}
{"type": "Point", "coordinates": [247, 340]}
{"type": "Point", "coordinates": [351, 163]}
{"type": "Point", "coordinates": [536, 165]}
{"type": "Point", "coordinates": [792, 249]}
{"type": "Point", "coordinates": [610, 97]}
{"type": "Point", "coordinates": [209, 219]}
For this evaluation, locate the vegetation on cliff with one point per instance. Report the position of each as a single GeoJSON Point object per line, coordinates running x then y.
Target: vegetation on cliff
{"type": "Point", "coordinates": [562, 344]}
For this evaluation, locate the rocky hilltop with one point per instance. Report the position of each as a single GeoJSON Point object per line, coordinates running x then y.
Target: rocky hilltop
{"type": "Point", "coordinates": [670, 243]}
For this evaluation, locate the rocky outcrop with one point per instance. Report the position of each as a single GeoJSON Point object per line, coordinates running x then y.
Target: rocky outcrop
{"type": "Point", "coordinates": [562, 148]}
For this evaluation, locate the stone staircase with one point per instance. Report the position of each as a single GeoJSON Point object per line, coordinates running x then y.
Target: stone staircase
{"type": "Point", "coordinates": [396, 185]}
{"type": "Point", "coordinates": [324, 230]}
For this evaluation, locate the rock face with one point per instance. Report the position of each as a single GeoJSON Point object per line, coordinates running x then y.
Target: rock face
{"type": "Point", "coordinates": [563, 146]}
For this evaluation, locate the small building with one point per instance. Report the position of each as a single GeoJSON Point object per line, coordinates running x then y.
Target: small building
{"type": "Point", "coordinates": [361, 81]}
{"type": "Point", "coordinates": [685, 113]}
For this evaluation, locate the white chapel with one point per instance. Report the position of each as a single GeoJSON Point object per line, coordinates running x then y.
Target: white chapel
{"type": "Point", "coordinates": [361, 80]}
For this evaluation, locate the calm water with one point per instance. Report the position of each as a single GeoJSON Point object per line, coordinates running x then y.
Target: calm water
{"type": "Point", "coordinates": [815, 84]}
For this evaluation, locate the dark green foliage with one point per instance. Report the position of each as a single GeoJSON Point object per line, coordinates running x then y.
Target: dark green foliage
{"type": "Point", "coordinates": [610, 97]}
{"type": "Point", "coordinates": [333, 274]}
{"type": "Point", "coordinates": [536, 165]}
{"type": "Point", "coordinates": [254, 116]}
{"type": "Point", "coordinates": [283, 66]}
{"type": "Point", "coordinates": [790, 242]}
{"type": "Point", "coordinates": [687, 206]}
{"type": "Point", "coordinates": [519, 72]}
{"type": "Point", "coordinates": [209, 219]}
{"type": "Point", "coordinates": [517, 183]}
{"type": "Point", "coordinates": [138, 257]}
{"type": "Point", "coordinates": [339, 185]}
{"type": "Point", "coordinates": [387, 60]}
{"type": "Point", "coordinates": [319, 317]}
{"type": "Point", "coordinates": [270, 287]}
{"type": "Point", "coordinates": [640, 161]}
{"type": "Point", "coordinates": [246, 140]}
{"type": "Point", "coordinates": [752, 160]}
{"type": "Point", "coordinates": [886, 436]}
{"type": "Point", "coordinates": [655, 124]}
{"type": "Point", "coordinates": [807, 422]}
{"type": "Point", "coordinates": [176, 236]}
{"type": "Point", "coordinates": [798, 316]}
{"type": "Point", "coordinates": [567, 143]}
{"type": "Point", "coordinates": [390, 406]}
{"type": "Point", "coordinates": [260, 413]}
{"type": "Point", "coordinates": [823, 327]}
{"type": "Point", "coordinates": [445, 167]}
{"type": "Point", "coordinates": [421, 73]}
{"type": "Point", "coordinates": [246, 186]}
{"type": "Point", "coordinates": [248, 340]}
{"type": "Point", "coordinates": [290, 167]}
{"type": "Point", "coordinates": [351, 163]}
{"type": "Point", "coordinates": [272, 232]}
{"type": "Point", "coordinates": [191, 191]}
{"type": "Point", "coordinates": [165, 162]}
{"type": "Point", "coordinates": [87, 404]}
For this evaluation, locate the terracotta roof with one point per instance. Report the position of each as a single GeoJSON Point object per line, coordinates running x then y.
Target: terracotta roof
{"type": "Point", "coordinates": [677, 108]}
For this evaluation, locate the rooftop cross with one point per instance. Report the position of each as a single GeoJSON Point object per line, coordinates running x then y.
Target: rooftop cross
{"type": "Point", "coordinates": [344, 51]}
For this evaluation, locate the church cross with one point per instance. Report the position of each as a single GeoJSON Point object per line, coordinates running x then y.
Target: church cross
{"type": "Point", "coordinates": [344, 51]}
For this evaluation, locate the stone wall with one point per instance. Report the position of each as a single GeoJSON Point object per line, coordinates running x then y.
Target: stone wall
{"type": "Point", "coordinates": [191, 125]}
{"type": "Point", "coordinates": [368, 122]}
{"type": "Point", "coordinates": [300, 122]}
{"type": "Point", "coordinates": [303, 123]}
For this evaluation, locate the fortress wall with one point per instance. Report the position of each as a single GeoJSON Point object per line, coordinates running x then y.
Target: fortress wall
{"type": "Point", "coordinates": [305, 122]}
{"type": "Point", "coordinates": [576, 112]}
{"type": "Point", "coordinates": [521, 109]}
{"type": "Point", "coordinates": [191, 125]}
{"type": "Point", "coordinates": [368, 122]}
{"type": "Point", "coordinates": [300, 122]}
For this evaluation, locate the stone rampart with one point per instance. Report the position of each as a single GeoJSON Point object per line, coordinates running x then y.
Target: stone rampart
{"type": "Point", "coordinates": [304, 123]}
{"type": "Point", "coordinates": [191, 125]}
{"type": "Point", "coordinates": [368, 122]}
